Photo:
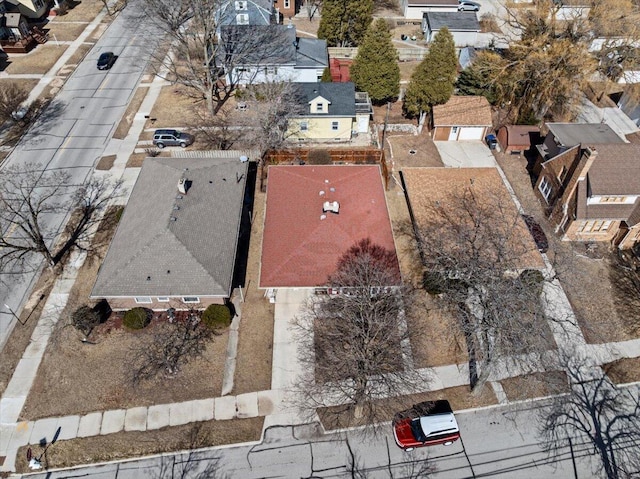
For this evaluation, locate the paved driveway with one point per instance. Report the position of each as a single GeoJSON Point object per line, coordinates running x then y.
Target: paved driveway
{"type": "Point", "coordinates": [458, 154]}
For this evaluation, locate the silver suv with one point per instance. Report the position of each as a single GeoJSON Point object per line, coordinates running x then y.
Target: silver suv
{"type": "Point", "coordinates": [162, 138]}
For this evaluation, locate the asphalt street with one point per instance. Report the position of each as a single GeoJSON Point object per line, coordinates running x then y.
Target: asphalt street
{"type": "Point", "coordinates": [496, 443]}
{"type": "Point", "coordinates": [72, 133]}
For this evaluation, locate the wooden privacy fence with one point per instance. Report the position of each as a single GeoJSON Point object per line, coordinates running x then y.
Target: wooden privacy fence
{"type": "Point", "coordinates": [334, 156]}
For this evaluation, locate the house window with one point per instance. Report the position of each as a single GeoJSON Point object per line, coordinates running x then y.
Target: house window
{"type": "Point", "coordinates": [190, 299]}
{"type": "Point", "coordinates": [241, 5]}
{"type": "Point", "coordinates": [242, 19]}
{"type": "Point", "coordinates": [143, 300]}
{"type": "Point", "coordinates": [454, 129]}
{"type": "Point", "coordinates": [287, 4]}
{"type": "Point", "coordinates": [563, 174]}
{"type": "Point", "coordinates": [545, 188]}
{"type": "Point", "coordinates": [271, 70]}
{"type": "Point", "coordinates": [38, 4]}
{"type": "Point", "coordinates": [613, 199]}
{"type": "Point", "coordinates": [319, 107]}
{"type": "Point", "coordinates": [335, 125]}
{"type": "Point", "coordinates": [163, 299]}
{"type": "Point", "coordinates": [304, 126]}
{"type": "Point", "coordinates": [594, 226]}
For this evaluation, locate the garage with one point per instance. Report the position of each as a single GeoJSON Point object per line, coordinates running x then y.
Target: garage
{"type": "Point", "coordinates": [471, 133]}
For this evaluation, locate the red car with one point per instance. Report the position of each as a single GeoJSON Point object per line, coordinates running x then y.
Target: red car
{"type": "Point", "coordinates": [426, 424]}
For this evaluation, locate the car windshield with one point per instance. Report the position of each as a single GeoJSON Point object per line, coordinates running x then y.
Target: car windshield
{"type": "Point", "coordinates": [417, 431]}
{"type": "Point", "coordinates": [104, 56]}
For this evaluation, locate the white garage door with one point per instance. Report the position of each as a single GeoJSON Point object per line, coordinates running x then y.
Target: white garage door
{"type": "Point", "coordinates": [471, 133]}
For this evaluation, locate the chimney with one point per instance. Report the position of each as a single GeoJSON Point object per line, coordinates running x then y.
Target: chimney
{"type": "Point", "coordinates": [589, 155]}
{"type": "Point", "coordinates": [182, 186]}
{"type": "Point", "coordinates": [332, 206]}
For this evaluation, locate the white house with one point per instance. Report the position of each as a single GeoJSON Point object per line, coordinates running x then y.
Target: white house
{"type": "Point", "coordinates": [464, 26]}
{"type": "Point", "coordinates": [414, 9]}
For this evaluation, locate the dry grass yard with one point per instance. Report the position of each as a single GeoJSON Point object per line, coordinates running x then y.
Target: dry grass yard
{"type": "Point", "coordinates": [175, 107]}
{"type": "Point", "coordinates": [535, 385]}
{"type": "Point", "coordinates": [38, 61]}
{"type": "Point", "coordinates": [623, 371]}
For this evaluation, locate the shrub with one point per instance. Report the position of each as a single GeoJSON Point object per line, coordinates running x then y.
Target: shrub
{"type": "Point", "coordinates": [217, 316]}
{"type": "Point", "coordinates": [84, 319]}
{"type": "Point", "coordinates": [137, 318]}
{"type": "Point", "coordinates": [319, 157]}
{"type": "Point", "coordinates": [532, 278]}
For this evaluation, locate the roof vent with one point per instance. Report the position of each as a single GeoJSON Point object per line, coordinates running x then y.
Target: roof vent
{"type": "Point", "coordinates": [182, 186]}
{"type": "Point", "coordinates": [332, 206]}
{"type": "Point", "coordinates": [321, 193]}
{"type": "Point", "coordinates": [173, 218]}
{"type": "Point", "coordinates": [323, 217]}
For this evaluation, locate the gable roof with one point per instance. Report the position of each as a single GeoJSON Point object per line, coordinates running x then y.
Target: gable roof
{"type": "Point", "coordinates": [153, 254]}
{"type": "Point", "coordinates": [301, 246]}
{"type": "Point", "coordinates": [342, 97]}
{"type": "Point", "coordinates": [260, 12]}
{"type": "Point", "coordinates": [273, 45]}
{"type": "Point", "coordinates": [454, 21]}
{"type": "Point", "coordinates": [463, 111]}
{"type": "Point", "coordinates": [571, 134]}
{"type": "Point", "coordinates": [616, 170]}
{"type": "Point", "coordinates": [428, 186]}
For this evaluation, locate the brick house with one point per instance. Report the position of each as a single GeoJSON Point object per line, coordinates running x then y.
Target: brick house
{"type": "Point", "coordinates": [591, 190]}
{"type": "Point", "coordinates": [177, 240]}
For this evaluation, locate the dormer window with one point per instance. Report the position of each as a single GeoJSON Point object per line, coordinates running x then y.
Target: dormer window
{"type": "Point", "coordinates": [242, 19]}
{"type": "Point", "coordinates": [319, 107]}
{"type": "Point", "coordinates": [241, 5]}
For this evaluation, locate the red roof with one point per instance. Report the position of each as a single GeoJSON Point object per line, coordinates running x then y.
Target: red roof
{"type": "Point", "coordinates": [339, 68]}
{"type": "Point", "coordinates": [301, 244]}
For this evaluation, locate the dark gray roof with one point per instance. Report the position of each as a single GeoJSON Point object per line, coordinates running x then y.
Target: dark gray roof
{"type": "Point", "coordinates": [192, 255]}
{"type": "Point", "coordinates": [260, 12]}
{"type": "Point", "coordinates": [454, 21]}
{"type": "Point", "coordinates": [341, 95]}
{"type": "Point", "coordinates": [273, 45]}
{"type": "Point", "coordinates": [572, 134]}
{"type": "Point", "coordinates": [311, 52]}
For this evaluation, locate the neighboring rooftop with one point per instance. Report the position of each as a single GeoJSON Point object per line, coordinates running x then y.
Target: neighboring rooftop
{"type": "Point", "coordinates": [457, 21]}
{"type": "Point", "coordinates": [302, 244]}
{"type": "Point", "coordinates": [463, 111]}
{"type": "Point", "coordinates": [427, 187]}
{"type": "Point", "coordinates": [173, 244]}
{"type": "Point", "coordinates": [433, 3]}
{"type": "Point", "coordinates": [572, 134]}
{"type": "Point", "coordinates": [258, 12]}
{"type": "Point", "coordinates": [342, 97]}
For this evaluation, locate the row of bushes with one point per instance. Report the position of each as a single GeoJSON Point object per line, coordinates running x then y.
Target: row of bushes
{"type": "Point", "coordinates": [216, 317]}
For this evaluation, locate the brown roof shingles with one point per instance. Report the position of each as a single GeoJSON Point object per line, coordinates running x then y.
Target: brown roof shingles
{"type": "Point", "coordinates": [301, 244]}
{"type": "Point", "coordinates": [463, 111]}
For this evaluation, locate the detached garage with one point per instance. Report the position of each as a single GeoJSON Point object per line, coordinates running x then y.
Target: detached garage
{"type": "Point", "coordinates": [462, 118]}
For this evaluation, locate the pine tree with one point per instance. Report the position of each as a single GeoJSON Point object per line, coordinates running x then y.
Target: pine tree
{"type": "Point", "coordinates": [433, 80]}
{"type": "Point", "coordinates": [345, 22]}
{"type": "Point", "coordinates": [375, 68]}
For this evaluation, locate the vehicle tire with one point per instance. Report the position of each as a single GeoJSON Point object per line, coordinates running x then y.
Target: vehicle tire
{"type": "Point", "coordinates": [160, 145]}
{"type": "Point", "coordinates": [183, 144]}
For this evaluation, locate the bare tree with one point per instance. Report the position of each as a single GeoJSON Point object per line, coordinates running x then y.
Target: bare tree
{"type": "Point", "coordinates": [11, 97]}
{"type": "Point", "coordinates": [210, 58]}
{"type": "Point", "coordinates": [351, 342]}
{"type": "Point", "coordinates": [171, 346]}
{"type": "Point", "coordinates": [30, 198]}
{"type": "Point", "coordinates": [218, 132]}
{"type": "Point", "coordinates": [597, 411]}
{"type": "Point", "coordinates": [473, 253]}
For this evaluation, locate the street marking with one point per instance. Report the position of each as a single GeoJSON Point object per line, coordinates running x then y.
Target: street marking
{"type": "Point", "coordinates": [65, 143]}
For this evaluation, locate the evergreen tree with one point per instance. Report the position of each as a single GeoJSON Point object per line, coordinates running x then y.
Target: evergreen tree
{"type": "Point", "coordinates": [474, 81]}
{"type": "Point", "coordinates": [375, 68]}
{"type": "Point", "coordinates": [326, 75]}
{"type": "Point", "coordinates": [345, 22]}
{"type": "Point", "coordinates": [433, 80]}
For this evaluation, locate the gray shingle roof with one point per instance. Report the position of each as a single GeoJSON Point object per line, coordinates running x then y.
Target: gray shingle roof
{"type": "Point", "coordinates": [260, 12]}
{"type": "Point", "coordinates": [312, 52]}
{"type": "Point", "coordinates": [454, 21]}
{"type": "Point", "coordinates": [572, 134]}
{"type": "Point", "coordinates": [154, 255]}
{"type": "Point", "coordinates": [341, 95]}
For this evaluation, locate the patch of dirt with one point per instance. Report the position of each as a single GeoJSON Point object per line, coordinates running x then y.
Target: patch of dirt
{"type": "Point", "coordinates": [459, 397]}
{"type": "Point", "coordinates": [82, 12]}
{"type": "Point", "coordinates": [21, 335]}
{"type": "Point", "coordinates": [127, 119]}
{"type": "Point", "coordinates": [488, 24]}
{"type": "Point", "coordinates": [106, 162]}
{"type": "Point", "coordinates": [135, 160]}
{"type": "Point", "coordinates": [125, 445]}
{"type": "Point", "coordinates": [436, 339]}
{"type": "Point", "coordinates": [535, 385]}
{"type": "Point", "coordinates": [395, 114]}
{"type": "Point", "coordinates": [78, 55]}
{"type": "Point", "coordinates": [255, 344]}
{"type": "Point", "coordinates": [175, 107]}
{"type": "Point", "coordinates": [623, 371]}
{"type": "Point", "coordinates": [305, 27]}
{"type": "Point", "coordinates": [407, 69]}
{"type": "Point", "coordinates": [38, 61]}
{"type": "Point", "coordinates": [64, 31]}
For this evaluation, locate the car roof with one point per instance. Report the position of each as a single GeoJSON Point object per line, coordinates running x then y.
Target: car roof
{"type": "Point", "coordinates": [438, 423]}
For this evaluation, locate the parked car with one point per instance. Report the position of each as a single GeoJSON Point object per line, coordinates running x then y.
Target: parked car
{"type": "Point", "coordinates": [468, 6]}
{"type": "Point", "coordinates": [426, 424]}
{"type": "Point", "coordinates": [537, 233]}
{"type": "Point", "coordinates": [162, 138]}
{"type": "Point", "coordinates": [106, 60]}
